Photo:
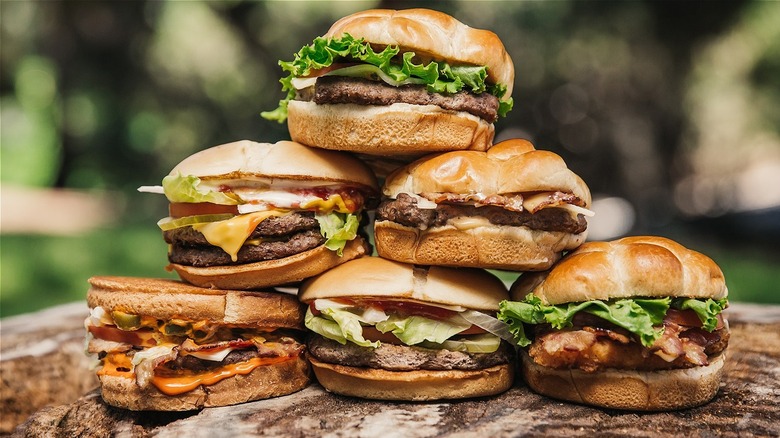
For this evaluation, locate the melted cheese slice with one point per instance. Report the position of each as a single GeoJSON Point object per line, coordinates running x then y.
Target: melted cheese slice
{"type": "Point", "coordinates": [231, 234]}
{"type": "Point", "coordinates": [333, 203]}
{"type": "Point", "coordinates": [181, 384]}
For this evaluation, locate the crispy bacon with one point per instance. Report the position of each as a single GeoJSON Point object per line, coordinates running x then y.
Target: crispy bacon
{"type": "Point", "coordinates": [509, 202]}
{"type": "Point", "coordinates": [534, 203]}
{"type": "Point", "coordinates": [189, 346]}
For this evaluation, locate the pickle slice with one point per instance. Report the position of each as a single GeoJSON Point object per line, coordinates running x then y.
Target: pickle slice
{"type": "Point", "coordinates": [126, 321]}
{"type": "Point", "coordinates": [169, 223]}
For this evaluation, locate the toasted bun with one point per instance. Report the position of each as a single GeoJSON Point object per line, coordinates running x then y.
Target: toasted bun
{"type": "Point", "coordinates": [376, 277]}
{"type": "Point", "coordinates": [283, 160]}
{"type": "Point", "coordinates": [512, 166]}
{"type": "Point", "coordinates": [277, 272]}
{"type": "Point", "coordinates": [166, 299]}
{"type": "Point", "coordinates": [263, 382]}
{"type": "Point", "coordinates": [492, 247]}
{"type": "Point", "coordinates": [433, 35]}
{"type": "Point", "coordinates": [626, 389]}
{"type": "Point", "coordinates": [642, 266]}
{"type": "Point", "coordinates": [420, 385]}
{"type": "Point", "coordinates": [399, 128]}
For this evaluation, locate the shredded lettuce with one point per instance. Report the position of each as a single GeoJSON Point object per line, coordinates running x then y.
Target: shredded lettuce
{"type": "Point", "coordinates": [338, 229]}
{"type": "Point", "coordinates": [439, 77]}
{"type": "Point", "coordinates": [181, 188]}
{"type": "Point", "coordinates": [339, 325]}
{"type": "Point", "coordinates": [412, 330]}
{"type": "Point", "coordinates": [640, 316]}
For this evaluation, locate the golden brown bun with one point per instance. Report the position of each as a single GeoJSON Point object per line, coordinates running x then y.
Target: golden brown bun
{"type": "Point", "coordinates": [626, 389]}
{"type": "Point", "coordinates": [377, 277]}
{"type": "Point", "coordinates": [420, 385]}
{"type": "Point", "coordinates": [641, 266]}
{"type": "Point", "coordinates": [399, 128]}
{"type": "Point", "coordinates": [282, 160]}
{"type": "Point", "coordinates": [263, 382]}
{"type": "Point", "coordinates": [512, 166]}
{"type": "Point", "coordinates": [166, 299]}
{"type": "Point", "coordinates": [491, 247]}
{"type": "Point", "coordinates": [432, 35]}
{"type": "Point", "coordinates": [277, 272]}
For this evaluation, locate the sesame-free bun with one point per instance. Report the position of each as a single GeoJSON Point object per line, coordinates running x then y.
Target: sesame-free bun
{"type": "Point", "coordinates": [275, 272]}
{"type": "Point", "coordinates": [263, 382]}
{"type": "Point", "coordinates": [418, 385]}
{"type": "Point", "coordinates": [432, 35]}
{"type": "Point", "coordinates": [284, 160]}
{"type": "Point", "coordinates": [490, 246]}
{"type": "Point", "coordinates": [511, 166]}
{"type": "Point", "coordinates": [377, 277]}
{"type": "Point", "coordinates": [640, 266]}
{"type": "Point", "coordinates": [166, 299]}
{"type": "Point", "coordinates": [627, 389]}
{"type": "Point", "coordinates": [400, 128]}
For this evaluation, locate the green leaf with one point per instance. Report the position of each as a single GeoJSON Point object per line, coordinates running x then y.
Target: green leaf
{"type": "Point", "coordinates": [707, 310]}
{"type": "Point", "coordinates": [338, 229]}
{"type": "Point", "coordinates": [412, 330]}
{"type": "Point", "coordinates": [439, 77]}
{"type": "Point", "coordinates": [180, 188]}
{"type": "Point", "coordinates": [339, 325]}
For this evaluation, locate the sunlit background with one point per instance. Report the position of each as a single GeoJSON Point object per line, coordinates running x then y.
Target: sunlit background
{"type": "Point", "coordinates": [670, 111]}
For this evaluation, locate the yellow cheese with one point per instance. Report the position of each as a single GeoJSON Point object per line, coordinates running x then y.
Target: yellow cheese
{"type": "Point", "coordinates": [333, 203]}
{"type": "Point", "coordinates": [231, 234]}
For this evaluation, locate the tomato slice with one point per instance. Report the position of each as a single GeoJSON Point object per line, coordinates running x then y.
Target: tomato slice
{"type": "Point", "coordinates": [183, 209]}
{"type": "Point", "coordinates": [688, 318]}
{"type": "Point", "coordinates": [140, 338]}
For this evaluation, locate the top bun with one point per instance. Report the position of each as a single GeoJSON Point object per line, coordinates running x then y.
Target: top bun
{"type": "Point", "coordinates": [512, 166]}
{"type": "Point", "coordinates": [377, 277]}
{"type": "Point", "coordinates": [642, 266]}
{"type": "Point", "coordinates": [282, 160]}
{"type": "Point", "coordinates": [167, 299]}
{"type": "Point", "coordinates": [431, 35]}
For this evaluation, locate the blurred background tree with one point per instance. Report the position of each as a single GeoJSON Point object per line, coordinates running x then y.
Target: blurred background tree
{"type": "Point", "coordinates": [670, 111]}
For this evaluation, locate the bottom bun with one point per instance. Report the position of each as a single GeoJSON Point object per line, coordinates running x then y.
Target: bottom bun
{"type": "Point", "coordinates": [277, 272]}
{"type": "Point", "coordinates": [492, 247]}
{"type": "Point", "coordinates": [263, 382]}
{"type": "Point", "coordinates": [420, 385]}
{"type": "Point", "coordinates": [626, 389]}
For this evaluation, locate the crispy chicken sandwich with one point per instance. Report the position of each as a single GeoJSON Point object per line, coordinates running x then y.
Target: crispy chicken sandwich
{"type": "Point", "coordinates": [631, 324]}
{"type": "Point", "coordinates": [388, 82]}
{"type": "Point", "coordinates": [390, 331]}
{"type": "Point", "coordinates": [512, 207]}
{"type": "Point", "coordinates": [247, 215]}
{"type": "Point", "coordinates": [164, 345]}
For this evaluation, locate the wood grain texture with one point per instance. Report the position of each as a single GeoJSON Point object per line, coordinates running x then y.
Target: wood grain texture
{"type": "Point", "coordinates": [748, 404]}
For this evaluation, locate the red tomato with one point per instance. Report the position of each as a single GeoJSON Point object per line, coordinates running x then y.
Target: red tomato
{"type": "Point", "coordinates": [183, 209]}
{"type": "Point", "coordinates": [141, 338]}
{"type": "Point", "coordinates": [688, 318]}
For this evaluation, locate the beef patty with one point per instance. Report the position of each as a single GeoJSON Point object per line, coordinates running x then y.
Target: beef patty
{"type": "Point", "coordinates": [404, 210]}
{"type": "Point", "coordinates": [339, 89]}
{"type": "Point", "coordinates": [403, 358]}
{"type": "Point", "coordinates": [274, 238]}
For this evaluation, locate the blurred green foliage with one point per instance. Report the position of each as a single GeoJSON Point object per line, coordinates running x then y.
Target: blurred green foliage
{"type": "Point", "coordinates": [638, 97]}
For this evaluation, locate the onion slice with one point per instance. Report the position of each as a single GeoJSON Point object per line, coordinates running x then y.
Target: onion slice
{"type": "Point", "coordinates": [488, 323]}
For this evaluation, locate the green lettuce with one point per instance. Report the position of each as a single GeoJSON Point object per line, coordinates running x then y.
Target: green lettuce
{"type": "Point", "coordinates": [180, 188]}
{"type": "Point", "coordinates": [640, 316]}
{"type": "Point", "coordinates": [439, 77]}
{"type": "Point", "coordinates": [707, 310]}
{"type": "Point", "coordinates": [412, 330]}
{"type": "Point", "coordinates": [339, 325]}
{"type": "Point", "coordinates": [338, 229]}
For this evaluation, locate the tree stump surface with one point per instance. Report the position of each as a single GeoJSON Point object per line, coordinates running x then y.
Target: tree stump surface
{"type": "Point", "coordinates": [48, 388]}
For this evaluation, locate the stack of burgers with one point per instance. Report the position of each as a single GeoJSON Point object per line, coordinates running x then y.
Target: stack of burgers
{"type": "Point", "coordinates": [272, 243]}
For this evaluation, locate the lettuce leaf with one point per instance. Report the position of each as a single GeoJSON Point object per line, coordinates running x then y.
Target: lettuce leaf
{"type": "Point", "coordinates": [412, 330]}
{"type": "Point", "coordinates": [338, 229]}
{"type": "Point", "coordinates": [484, 343]}
{"type": "Point", "coordinates": [640, 316]}
{"type": "Point", "coordinates": [439, 77]}
{"type": "Point", "coordinates": [180, 188]}
{"type": "Point", "coordinates": [707, 310]}
{"type": "Point", "coordinates": [339, 325]}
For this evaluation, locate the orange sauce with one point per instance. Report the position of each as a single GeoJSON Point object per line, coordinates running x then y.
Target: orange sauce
{"type": "Point", "coordinates": [112, 364]}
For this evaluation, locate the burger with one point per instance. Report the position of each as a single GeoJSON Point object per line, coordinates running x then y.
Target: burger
{"type": "Point", "coordinates": [248, 215]}
{"type": "Point", "coordinates": [164, 345]}
{"type": "Point", "coordinates": [631, 324]}
{"type": "Point", "coordinates": [386, 82]}
{"type": "Point", "coordinates": [391, 331]}
{"type": "Point", "coordinates": [512, 207]}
